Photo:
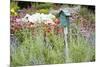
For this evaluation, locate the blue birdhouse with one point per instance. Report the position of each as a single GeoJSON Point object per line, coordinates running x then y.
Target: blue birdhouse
{"type": "Point", "coordinates": [64, 18]}
{"type": "Point", "coordinates": [64, 22]}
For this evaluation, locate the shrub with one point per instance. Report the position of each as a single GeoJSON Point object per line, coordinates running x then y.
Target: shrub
{"type": "Point", "coordinates": [45, 11]}
{"type": "Point", "coordinates": [80, 50]}
{"type": "Point", "coordinates": [45, 6]}
{"type": "Point", "coordinates": [34, 50]}
{"type": "Point", "coordinates": [87, 14]}
{"type": "Point", "coordinates": [13, 8]}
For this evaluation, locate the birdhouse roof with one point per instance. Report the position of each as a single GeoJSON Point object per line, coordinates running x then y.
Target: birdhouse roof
{"type": "Point", "coordinates": [66, 12]}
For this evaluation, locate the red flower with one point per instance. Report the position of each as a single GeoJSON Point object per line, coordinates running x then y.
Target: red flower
{"type": "Point", "coordinates": [60, 30]}
{"type": "Point", "coordinates": [48, 30]}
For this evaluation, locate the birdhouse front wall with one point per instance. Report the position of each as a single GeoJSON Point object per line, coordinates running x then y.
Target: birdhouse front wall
{"type": "Point", "coordinates": [64, 20]}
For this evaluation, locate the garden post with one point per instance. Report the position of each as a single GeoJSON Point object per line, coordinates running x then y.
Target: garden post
{"type": "Point", "coordinates": [64, 21]}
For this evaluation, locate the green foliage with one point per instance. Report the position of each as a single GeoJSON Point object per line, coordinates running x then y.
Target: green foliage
{"type": "Point", "coordinates": [37, 49]}
{"type": "Point", "coordinates": [29, 51]}
{"type": "Point", "coordinates": [80, 50]}
{"type": "Point", "coordinates": [34, 50]}
{"type": "Point", "coordinates": [56, 53]}
{"type": "Point", "coordinates": [45, 11]}
{"type": "Point", "coordinates": [42, 7]}
{"type": "Point", "coordinates": [45, 6]}
{"type": "Point", "coordinates": [30, 11]}
{"type": "Point", "coordinates": [87, 14]}
{"type": "Point", "coordinates": [13, 8]}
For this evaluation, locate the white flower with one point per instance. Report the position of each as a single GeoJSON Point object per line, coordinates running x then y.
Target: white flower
{"type": "Point", "coordinates": [39, 18]}
{"type": "Point", "coordinates": [25, 19]}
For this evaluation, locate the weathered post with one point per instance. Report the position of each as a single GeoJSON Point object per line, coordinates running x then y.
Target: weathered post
{"type": "Point", "coordinates": [64, 19]}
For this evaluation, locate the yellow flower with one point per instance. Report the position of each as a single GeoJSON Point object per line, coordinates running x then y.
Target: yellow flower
{"type": "Point", "coordinates": [12, 10]}
{"type": "Point", "coordinates": [15, 14]}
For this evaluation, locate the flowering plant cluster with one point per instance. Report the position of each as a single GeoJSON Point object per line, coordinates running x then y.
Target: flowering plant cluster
{"type": "Point", "coordinates": [48, 21]}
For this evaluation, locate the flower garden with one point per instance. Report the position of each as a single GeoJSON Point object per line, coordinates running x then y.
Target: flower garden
{"type": "Point", "coordinates": [37, 36]}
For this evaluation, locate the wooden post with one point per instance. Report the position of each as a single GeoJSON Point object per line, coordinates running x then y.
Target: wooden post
{"type": "Point", "coordinates": [66, 43]}
{"type": "Point", "coordinates": [64, 19]}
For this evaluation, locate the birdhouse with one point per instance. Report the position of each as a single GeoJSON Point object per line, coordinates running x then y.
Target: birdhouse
{"type": "Point", "coordinates": [64, 22]}
{"type": "Point", "coordinates": [64, 18]}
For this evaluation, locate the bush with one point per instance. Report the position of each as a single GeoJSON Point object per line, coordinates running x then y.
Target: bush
{"type": "Point", "coordinates": [87, 14]}
{"type": "Point", "coordinates": [45, 11]}
{"type": "Point", "coordinates": [34, 50]}
{"type": "Point", "coordinates": [80, 50]}
{"type": "Point", "coordinates": [45, 6]}
{"type": "Point", "coordinates": [14, 8]}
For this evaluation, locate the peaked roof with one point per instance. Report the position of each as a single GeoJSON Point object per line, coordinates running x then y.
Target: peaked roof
{"type": "Point", "coordinates": [66, 12]}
